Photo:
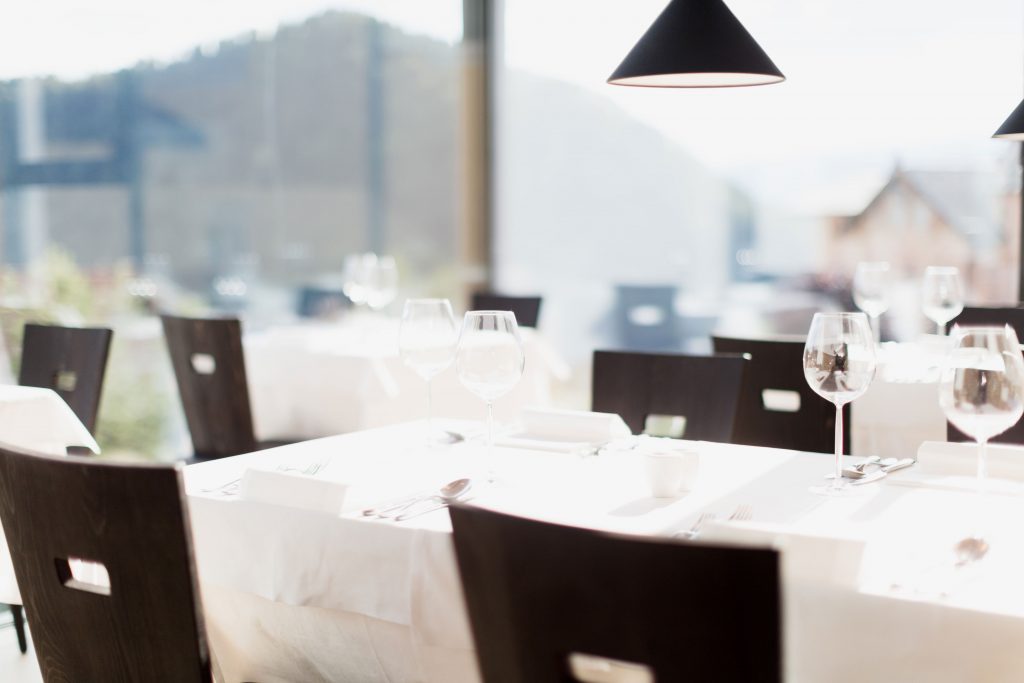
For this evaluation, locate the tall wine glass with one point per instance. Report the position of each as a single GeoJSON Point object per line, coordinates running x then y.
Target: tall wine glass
{"type": "Point", "coordinates": [839, 364]}
{"type": "Point", "coordinates": [982, 385]}
{"type": "Point", "coordinates": [942, 295]}
{"type": "Point", "coordinates": [426, 342]}
{"type": "Point", "coordinates": [382, 283]}
{"type": "Point", "coordinates": [871, 292]}
{"type": "Point", "coordinates": [354, 278]}
{"type": "Point", "coordinates": [490, 360]}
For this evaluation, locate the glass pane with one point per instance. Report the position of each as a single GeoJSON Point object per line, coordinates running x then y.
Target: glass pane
{"type": "Point", "coordinates": [665, 214]}
{"type": "Point", "coordinates": [196, 157]}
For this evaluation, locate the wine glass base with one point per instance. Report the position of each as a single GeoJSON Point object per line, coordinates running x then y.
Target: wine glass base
{"type": "Point", "coordinates": [831, 490]}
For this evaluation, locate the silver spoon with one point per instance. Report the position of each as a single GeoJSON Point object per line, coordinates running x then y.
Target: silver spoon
{"type": "Point", "coordinates": [453, 488]}
{"type": "Point", "coordinates": [448, 494]}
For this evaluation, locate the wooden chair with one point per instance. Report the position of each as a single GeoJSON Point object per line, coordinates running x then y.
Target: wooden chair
{"type": "Point", "coordinates": [801, 420]}
{"type": "Point", "coordinates": [145, 623]}
{"type": "Point", "coordinates": [703, 389]}
{"type": "Point", "coordinates": [538, 594]}
{"type": "Point", "coordinates": [526, 308]}
{"type": "Point", "coordinates": [70, 360]}
{"type": "Point", "coordinates": [991, 315]}
{"type": "Point", "coordinates": [209, 367]}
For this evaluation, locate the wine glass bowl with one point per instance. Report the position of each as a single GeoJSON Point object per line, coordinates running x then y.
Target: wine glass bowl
{"type": "Point", "coordinates": [942, 295]}
{"type": "Point", "coordinates": [382, 282]}
{"type": "Point", "coordinates": [839, 364]}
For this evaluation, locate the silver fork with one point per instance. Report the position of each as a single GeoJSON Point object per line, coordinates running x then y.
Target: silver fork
{"type": "Point", "coordinates": [694, 530]}
{"type": "Point", "coordinates": [742, 513]}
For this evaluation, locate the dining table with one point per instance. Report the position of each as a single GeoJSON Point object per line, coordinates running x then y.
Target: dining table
{"type": "Point", "coordinates": [299, 583]}
{"type": "Point", "coordinates": [313, 379]}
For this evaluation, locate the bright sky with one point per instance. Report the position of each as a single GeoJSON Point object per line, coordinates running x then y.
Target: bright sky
{"type": "Point", "coordinates": [868, 81]}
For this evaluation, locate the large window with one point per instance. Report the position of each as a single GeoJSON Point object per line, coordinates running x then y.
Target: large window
{"type": "Point", "coordinates": [196, 157]}
{"type": "Point", "coordinates": [746, 209]}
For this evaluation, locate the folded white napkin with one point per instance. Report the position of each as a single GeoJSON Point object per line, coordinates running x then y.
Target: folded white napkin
{"type": "Point", "coordinates": [940, 458]}
{"type": "Point", "coordinates": [572, 425]}
{"type": "Point", "coordinates": [293, 489]}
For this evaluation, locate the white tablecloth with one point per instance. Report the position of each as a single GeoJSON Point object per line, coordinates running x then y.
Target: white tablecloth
{"type": "Point", "coordinates": [294, 595]}
{"type": "Point", "coordinates": [900, 410]}
{"type": "Point", "coordinates": [38, 420]}
{"type": "Point", "coordinates": [318, 379]}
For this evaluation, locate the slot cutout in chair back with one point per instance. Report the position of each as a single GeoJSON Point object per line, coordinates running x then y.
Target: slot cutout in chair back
{"type": "Point", "coordinates": [65, 380]}
{"type": "Point", "coordinates": [780, 400]}
{"type": "Point", "coordinates": [593, 669]}
{"type": "Point", "coordinates": [204, 363]}
{"type": "Point", "coordinates": [83, 575]}
{"type": "Point", "coordinates": [671, 426]}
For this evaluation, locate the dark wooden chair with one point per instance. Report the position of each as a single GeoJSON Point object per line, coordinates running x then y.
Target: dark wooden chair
{"type": "Point", "coordinates": [145, 623]}
{"type": "Point", "coordinates": [209, 367]}
{"type": "Point", "coordinates": [703, 389]}
{"type": "Point", "coordinates": [540, 593]}
{"type": "Point", "coordinates": [70, 360]}
{"type": "Point", "coordinates": [991, 315]}
{"type": "Point", "coordinates": [807, 424]}
{"type": "Point", "coordinates": [526, 308]}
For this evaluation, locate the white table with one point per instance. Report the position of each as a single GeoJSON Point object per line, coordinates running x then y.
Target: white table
{"type": "Point", "coordinates": [318, 379]}
{"type": "Point", "coordinates": [294, 595]}
{"type": "Point", "coordinates": [38, 420]}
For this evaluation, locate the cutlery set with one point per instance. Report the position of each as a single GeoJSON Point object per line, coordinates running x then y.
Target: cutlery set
{"type": "Point", "coordinates": [409, 507]}
{"type": "Point", "coordinates": [742, 513]}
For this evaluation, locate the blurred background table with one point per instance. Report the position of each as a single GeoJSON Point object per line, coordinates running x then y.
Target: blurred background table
{"type": "Point", "coordinates": [318, 379]}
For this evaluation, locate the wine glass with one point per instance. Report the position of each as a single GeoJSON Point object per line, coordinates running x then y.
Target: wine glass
{"type": "Point", "coordinates": [942, 295]}
{"type": "Point", "coordinates": [981, 390]}
{"type": "Point", "coordinates": [871, 292]}
{"type": "Point", "coordinates": [490, 360]}
{"type": "Point", "coordinates": [839, 364]}
{"type": "Point", "coordinates": [382, 282]}
{"type": "Point", "coordinates": [354, 278]}
{"type": "Point", "coordinates": [426, 343]}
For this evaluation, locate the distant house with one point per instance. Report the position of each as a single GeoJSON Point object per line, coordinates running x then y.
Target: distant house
{"type": "Point", "coordinates": [920, 218]}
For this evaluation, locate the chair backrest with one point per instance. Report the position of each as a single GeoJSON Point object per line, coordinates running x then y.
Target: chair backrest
{"type": "Point", "coordinates": [991, 315]}
{"type": "Point", "coordinates": [538, 593]}
{"type": "Point", "coordinates": [70, 360]}
{"type": "Point", "coordinates": [703, 389]}
{"type": "Point", "coordinates": [646, 318]}
{"type": "Point", "coordinates": [526, 308]}
{"type": "Point", "coordinates": [144, 623]}
{"type": "Point", "coordinates": [209, 366]}
{"type": "Point", "coordinates": [777, 406]}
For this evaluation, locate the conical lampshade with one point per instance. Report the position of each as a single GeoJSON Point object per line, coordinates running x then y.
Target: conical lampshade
{"type": "Point", "coordinates": [696, 44]}
{"type": "Point", "coordinates": [1013, 127]}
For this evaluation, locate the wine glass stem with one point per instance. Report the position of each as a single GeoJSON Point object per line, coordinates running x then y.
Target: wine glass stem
{"type": "Point", "coordinates": [982, 464]}
{"type": "Point", "coordinates": [876, 328]}
{"type": "Point", "coordinates": [430, 410]}
{"type": "Point", "coordinates": [490, 441]}
{"type": "Point", "coordinates": [837, 481]}
{"type": "Point", "coordinates": [940, 329]}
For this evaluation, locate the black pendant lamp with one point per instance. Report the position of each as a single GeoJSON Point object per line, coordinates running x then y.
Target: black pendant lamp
{"type": "Point", "coordinates": [1013, 127]}
{"type": "Point", "coordinates": [696, 44]}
